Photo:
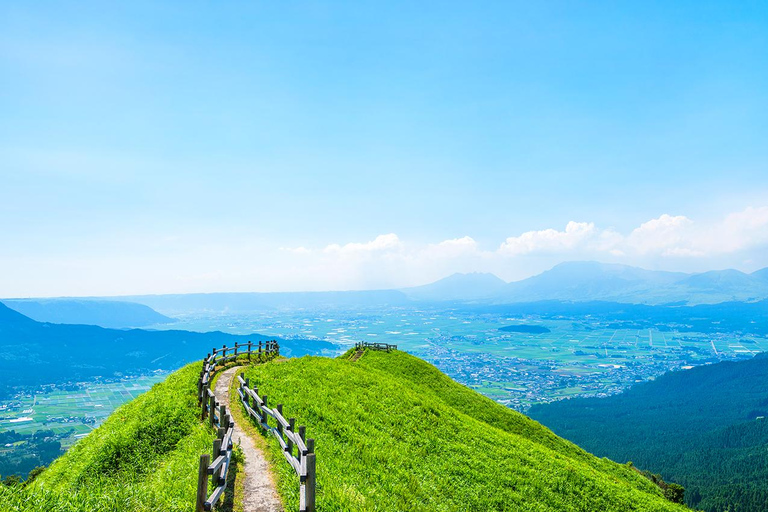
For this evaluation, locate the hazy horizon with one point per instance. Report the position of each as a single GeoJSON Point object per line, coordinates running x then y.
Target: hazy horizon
{"type": "Point", "coordinates": [330, 290]}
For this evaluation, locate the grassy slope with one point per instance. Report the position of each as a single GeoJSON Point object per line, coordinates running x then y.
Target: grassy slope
{"type": "Point", "coordinates": [395, 434]}
{"type": "Point", "coordinates": [144, 457]}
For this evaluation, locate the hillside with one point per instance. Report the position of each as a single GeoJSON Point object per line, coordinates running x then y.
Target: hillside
{"type": "Point", "coordinates": [458, 287]}
{"type": "Point", "coordinates": [705, 428]}
{"type": "Point", "coordinates": [144, 457]}
{"type": "Point", "coordinates": [104, 313]}
{"type": "Point", "coordinates": [394, 433]}
{"type": "Point", "coordinates": [590, 280]}
{"type": "Point", "coordinates": [34, 353]}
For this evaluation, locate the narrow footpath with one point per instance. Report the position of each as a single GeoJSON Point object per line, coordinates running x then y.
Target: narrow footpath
{"type": "Point", "coordinates": [260, 493]}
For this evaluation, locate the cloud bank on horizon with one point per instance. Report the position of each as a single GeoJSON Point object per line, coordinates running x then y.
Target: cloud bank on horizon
{"type": "Point", "coordinates": [225, 262]}
{"type": "Point", "coordinates": [668, 242]}
{"type": "Point", "coordinates": [666, 236]}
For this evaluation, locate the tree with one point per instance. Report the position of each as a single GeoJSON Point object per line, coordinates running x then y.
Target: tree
{"type": "Point", "coordinates": [34, 473]}
{"type": "Point", "coordinates": [674, 493]}
{"type": "Point", "coordinates": [12, 480]}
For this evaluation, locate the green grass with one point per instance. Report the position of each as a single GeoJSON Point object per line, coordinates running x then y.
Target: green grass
{"type": "Point", "coordinates": [144, 457]}
{"type": "Point", "coordinates": [394, 434]}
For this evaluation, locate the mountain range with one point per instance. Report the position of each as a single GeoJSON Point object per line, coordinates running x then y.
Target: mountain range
{"type": "Point", "coordinates": [577, 281]}
{"type": "Point", "coordinates": [590, 281]}
{"type": "Point", "coordinates": [104, 313]}
{"type": "Point", "coordinates": [33, 353]}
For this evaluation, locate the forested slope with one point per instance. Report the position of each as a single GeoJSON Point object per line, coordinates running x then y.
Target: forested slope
{"type": "Point", "coordinates": [705, 428]}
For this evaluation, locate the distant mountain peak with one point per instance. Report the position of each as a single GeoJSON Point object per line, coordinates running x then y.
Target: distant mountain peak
{"type": "Point", "coordinates": [9, 316]}
{"type": "Point", "coordinates": [459, 286]}
{"type": "Point", "coordinates": [472, 275]}
{"type": "Point", "coordinates": [592, 280]}
{"type": "Point", "coordinates": [104, 313]}
{"type": "Point", "coordinates": [761, 274]}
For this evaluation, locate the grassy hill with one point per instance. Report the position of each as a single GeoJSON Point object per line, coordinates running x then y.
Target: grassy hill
{"type": "Point", "coordinates": [393, 433]}
{"type": "Point", "coordinates": [144, 457]}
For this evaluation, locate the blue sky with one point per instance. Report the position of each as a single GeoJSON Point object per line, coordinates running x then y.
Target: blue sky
{"type": "Point", "coordinates": [189, 146]}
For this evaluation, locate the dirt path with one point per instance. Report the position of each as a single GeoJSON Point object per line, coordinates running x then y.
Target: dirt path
{"type": "Point", "coordinates": [260, 493]}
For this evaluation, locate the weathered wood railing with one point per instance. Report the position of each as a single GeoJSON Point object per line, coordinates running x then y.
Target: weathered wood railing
{"type": "Point", "coordinates": [375, 346]}
{"type": "Point", "coordinates": [285, 432]}
{"type": "Point", "coordinates": [222, 456]}
{"type": "Point", "coordinates": [219, 418]}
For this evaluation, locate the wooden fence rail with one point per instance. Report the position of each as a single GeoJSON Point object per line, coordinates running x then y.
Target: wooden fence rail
{"type": "Point", "coordinates": [219, 418]}
{"type": "Point", "coordinates": [375, 346]}
{"type": "Point", "coordinates": [303, 463]}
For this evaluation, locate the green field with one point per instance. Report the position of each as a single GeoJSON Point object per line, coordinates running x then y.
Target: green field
{"type": "Point", "coordinates": [579, 357]}
{"type": "Point", "coordinates": [81, 409]}
{"type": "Point", "coordinates": [143, 457]}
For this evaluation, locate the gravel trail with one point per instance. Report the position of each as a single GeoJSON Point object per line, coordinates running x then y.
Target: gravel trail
{"type": "Point", "coordinates": [260, 493]}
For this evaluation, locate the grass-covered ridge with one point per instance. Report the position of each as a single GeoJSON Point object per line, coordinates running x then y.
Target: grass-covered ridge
{"type": "Point", "coordinates": [144, 457]}
{"type": "Point", "coordinates": [395, 434]}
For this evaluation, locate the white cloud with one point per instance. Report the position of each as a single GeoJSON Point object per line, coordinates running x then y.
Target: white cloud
{"type": "Point", "coordinates": [296, 250]}
{"type": "Point", "coordinates": [452, 248]}
{"type": "Point", "coordinates": [742, 230]}
{"type": "Point", "coordinates": [466, 242]}
{"type": "Point", "coordinates": [666, 234]}
{"type": "Point", "coordinates": [379, 244]}
{"type": "Point", "coordinates": [682, 237]}
{"type": "Point", "coordinates": [549, 240]}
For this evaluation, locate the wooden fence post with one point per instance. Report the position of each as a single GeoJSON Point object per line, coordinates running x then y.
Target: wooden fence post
{"type": "Point", "coordinates": [311, 478]}
{"type": "Point", "coordinates": [280, 425]}
{"type": "Point", "coordinates": [288, 442]}
{"type": "Point", "coordinates": [250, 348]}
{"type": "Point", "coordinates": [202, 482]}
{"type": "Point", "coordinates": [264, 415]}
{"type": "Point", "coordinates": [211, 410]}
{"type": "Point", "coordinates": [302, 435]}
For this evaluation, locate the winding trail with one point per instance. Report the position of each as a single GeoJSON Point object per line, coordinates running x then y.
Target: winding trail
{"type": "Point", "coordinates": [260, 494]}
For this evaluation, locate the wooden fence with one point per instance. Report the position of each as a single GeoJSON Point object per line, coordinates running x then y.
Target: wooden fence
{"type": "Point", "coordinates": [219, 418]}
{"type": "Point", "coordinates": [375, 346]}
{"type": "Point", "coordinates": [285, 433]}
